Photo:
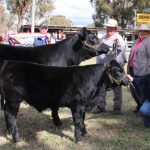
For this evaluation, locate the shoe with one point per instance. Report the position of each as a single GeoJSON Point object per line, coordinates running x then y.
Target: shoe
{"type": "Point", "coordinates": [117, 111]}
{"type": "Point", "coordinates": [97, 110]}
{"type": "Point", "coordinates": [136, 110]}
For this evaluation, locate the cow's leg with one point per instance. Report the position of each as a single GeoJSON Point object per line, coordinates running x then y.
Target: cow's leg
{"type": "Point", "coordinates": [56, 119]}
{"type": "Point", "coordinates": [77, 118]}
{"type": "Point", "coordinates": [83, 127]}
{"type": "Point", "coordinates": [11, 120]}
{"type": "Point", "coordinates": [6, 119]}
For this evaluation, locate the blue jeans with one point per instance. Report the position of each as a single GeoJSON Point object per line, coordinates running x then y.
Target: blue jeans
{"type": "Point", "coordinates": [145, 112]}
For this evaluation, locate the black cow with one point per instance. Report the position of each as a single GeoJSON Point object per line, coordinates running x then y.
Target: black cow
{"type": "Point", "coordinates": [68, 52]}
{"type": "Point", "coordinates": [52, 87]}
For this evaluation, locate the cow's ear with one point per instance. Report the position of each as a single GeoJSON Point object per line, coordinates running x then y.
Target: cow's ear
{"type": "Point", "coordinates": [82, 32]}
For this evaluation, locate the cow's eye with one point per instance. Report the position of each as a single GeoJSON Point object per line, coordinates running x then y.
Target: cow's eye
{"type": "Point", "coordinates": [93, 38]}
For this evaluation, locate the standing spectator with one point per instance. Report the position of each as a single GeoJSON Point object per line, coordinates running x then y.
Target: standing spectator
{"type": "Point", "coordinates": [53, 37]}
{"type": "Point", "coordinates": [110, 38]}
{"type": "Point", "coordinates": [43, 40]}
{"type": "Point", "coordinates": [3, 39]}
{"type": "Point", "coordinates": [61, 35]}
{"type": "Point", "coordinates": [138, 64]}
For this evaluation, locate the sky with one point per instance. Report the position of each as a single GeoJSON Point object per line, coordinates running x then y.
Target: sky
{"type": "Point", "coordinates": [78, 11]}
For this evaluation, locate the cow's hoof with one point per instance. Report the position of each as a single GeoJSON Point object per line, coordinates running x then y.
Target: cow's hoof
{"type": "Point", "coordinates": [58, 123]}
{"type": "Point", "coordinates": [84, 132]}
{"type": "Point", "coordinates": [78, 140]}
{"type": "Point", "coordinates": [16, 140]}
{"type": "Point", "coordinates": [8, 132]}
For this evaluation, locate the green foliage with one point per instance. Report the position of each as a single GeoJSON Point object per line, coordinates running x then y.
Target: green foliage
{"type": "Point", "coordinates": [22, 8]}
{"type": "Point", "coordinates": [140, 5]}
{"type": "Point", "coordinates": [103, 8]}
{"type": "Point", "coordinates": [43, 10]}
{"type": "Point", "coordinates": [60, 21]}
{"type": "Point", "coordinates": [121, 10]}
{"type": "Point", "coordinates": [5, 19]}
{"type": "Point", "coordinates": [17, 6]}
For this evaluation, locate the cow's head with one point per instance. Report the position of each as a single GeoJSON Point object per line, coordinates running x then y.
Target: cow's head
{"type": "Point", "coordinates": [92, 43]}
{"type": "Point", "coordinates": [117, 74]}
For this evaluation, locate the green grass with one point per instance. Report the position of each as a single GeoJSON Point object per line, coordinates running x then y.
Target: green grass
{"type": "Point", "coordinates": [106, 131]}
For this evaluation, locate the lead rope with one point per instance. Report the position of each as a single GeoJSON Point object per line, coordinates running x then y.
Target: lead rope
{"type": "Point", "coordinates": [135, 92]}
{"type": "Point", "coordinates": [112, 79]}
{"type": "Point", "coordinates": [115, 50]}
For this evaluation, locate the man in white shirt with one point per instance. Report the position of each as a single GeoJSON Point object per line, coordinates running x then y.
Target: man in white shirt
{"type": "Point", "coordinates": [110, 38]}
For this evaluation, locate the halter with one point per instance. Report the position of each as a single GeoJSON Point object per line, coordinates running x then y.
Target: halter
{"type": "Point", "coordinates": [113, 80]}
{"type": "Point", "coordinates": [90, 46]}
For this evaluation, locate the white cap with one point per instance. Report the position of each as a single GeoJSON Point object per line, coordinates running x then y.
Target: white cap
{"type": "Point", "coordinates": [111, 23]}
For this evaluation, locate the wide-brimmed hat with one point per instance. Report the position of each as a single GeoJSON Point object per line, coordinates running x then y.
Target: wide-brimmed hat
{"type": "Point", "coordinates": [145, 27]}
{"type": "Point", "coordinates": [43, 26]}
{"type": "Point", "coordinates": [111, 23]}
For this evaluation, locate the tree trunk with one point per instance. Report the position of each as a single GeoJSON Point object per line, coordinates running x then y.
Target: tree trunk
{"type": "Point", "coordinates": [20, 22]}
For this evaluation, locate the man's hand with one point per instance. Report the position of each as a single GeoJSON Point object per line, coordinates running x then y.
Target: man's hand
{"type": "Point", "coordinates": [130, 78]}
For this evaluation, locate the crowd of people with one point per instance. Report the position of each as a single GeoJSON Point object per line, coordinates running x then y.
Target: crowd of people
{"type": "Point", "coordinates": [48, 38]}
{"type": "Point", "coordinates": [42, 37]}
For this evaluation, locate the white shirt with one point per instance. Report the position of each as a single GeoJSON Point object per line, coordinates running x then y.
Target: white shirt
{"type": "Point", "coordinates": [110, 41]}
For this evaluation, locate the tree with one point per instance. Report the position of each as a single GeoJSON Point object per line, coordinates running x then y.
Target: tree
{"type": "Point", "coordinates": [59, 20]}
{"type": "Point", "coordinates": [121, 10]}
{"type": "Point", "coordinates": [103, 8]}
{"type": "Point", "coordinates": [18, 7]}
{"type": "Point", "coordinates": [22, 7]}
{"type": "Point", "coordinates": [43, 10]}
{"type": "Point", "coordinates": [141, 5]}
{"type": "Point", "coordinates": [5, 19]}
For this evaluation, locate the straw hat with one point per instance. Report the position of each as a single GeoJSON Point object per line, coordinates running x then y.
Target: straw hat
{"type": "Point", "coordinates": [144, 27]}
{"type": "Point", "coordinates": [111, 23]}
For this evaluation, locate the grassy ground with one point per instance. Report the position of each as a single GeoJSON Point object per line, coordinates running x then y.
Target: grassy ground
{"type": "Point", "coordinates": [106, 131]}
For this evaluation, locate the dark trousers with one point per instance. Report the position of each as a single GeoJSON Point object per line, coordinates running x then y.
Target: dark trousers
{"type": "Point", "coordinates": [100, 99]}
{"type": "Point", "coordinates": [136, 89]}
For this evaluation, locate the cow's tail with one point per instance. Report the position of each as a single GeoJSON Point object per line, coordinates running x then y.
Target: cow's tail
{"type": "Point", "coordinates": [1, 97]}
{"type": "Point", "coordinates": [2, 65]}
{"type": "Point", "coordinates": [2, 102]}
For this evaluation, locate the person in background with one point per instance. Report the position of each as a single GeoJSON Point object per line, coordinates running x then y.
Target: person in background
{"type": "Point", "coordinates": [43, 40]}
{"type": "Point", "coordinates": [61, 35]}
{"type": "Point", "coordinates": [138, 66]}
{"type": "Point", "coordinates": [111, 38]}
{"type": "Point", "coordinates": [53, 37]}
{"type": "Point", "coordinates": [3, 39]}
